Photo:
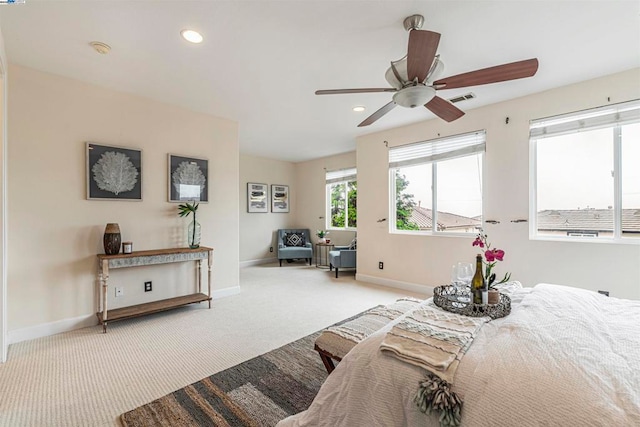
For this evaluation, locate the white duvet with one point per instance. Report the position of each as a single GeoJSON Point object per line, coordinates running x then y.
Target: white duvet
{"type": "Point", "coordinates": [564, 356]}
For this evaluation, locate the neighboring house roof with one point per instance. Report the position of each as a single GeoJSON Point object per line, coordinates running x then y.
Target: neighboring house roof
{"type": "Point", "coordinates": [587, 220]}
{"type": "Point", "coordinates": [423, 217]}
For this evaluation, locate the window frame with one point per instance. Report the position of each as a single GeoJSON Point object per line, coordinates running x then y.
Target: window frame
{"type": "Point", "coordinates": [434, 186]}
{"type": "Point", "coordinates": [616, 142]}
{"type": "Point", "coordinates": [351, 177]}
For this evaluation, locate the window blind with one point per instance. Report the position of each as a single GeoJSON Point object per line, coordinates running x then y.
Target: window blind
{"type": "Point", "coordinates": [342, 175]}
{"type": "Point", "coordinates": [437, 149]}
{"type": "Point", "coordinates": [601, 117]}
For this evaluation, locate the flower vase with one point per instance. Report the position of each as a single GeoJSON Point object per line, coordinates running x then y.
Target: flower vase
{"type": "Point", "coordinates": [322, 240]}
{"type": "Point", "coordinates": [193, 234]}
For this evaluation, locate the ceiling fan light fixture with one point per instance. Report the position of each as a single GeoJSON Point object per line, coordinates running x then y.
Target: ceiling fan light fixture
{"type": "Point", "coordinates": [414, 96]}
{"type": "Point", "coordinates": [401, 68]}
{"type": "Point", "coordinates": [358, 108]}
{"type": "Point", "coordinates": [191, 36]}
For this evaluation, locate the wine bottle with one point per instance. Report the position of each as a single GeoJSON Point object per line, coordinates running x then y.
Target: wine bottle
{"type": "Point", "coordinates": [477, 283]}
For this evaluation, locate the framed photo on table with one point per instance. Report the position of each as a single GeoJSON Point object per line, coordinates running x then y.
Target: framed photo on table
{"type": "Point", "coordinates": [279, 198]}
{"type": "Point", "coordinates": [188, 179]}
{"type": "Point", "coordinates": [113, 173]}
{"type": "Point", "coordinates": [257, 197]}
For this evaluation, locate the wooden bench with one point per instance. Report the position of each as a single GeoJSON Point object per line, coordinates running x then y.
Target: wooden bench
{"type": "Point", "coordinates": [335, 342]}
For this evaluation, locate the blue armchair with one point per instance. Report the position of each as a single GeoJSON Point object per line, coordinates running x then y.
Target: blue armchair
{"type": "Point", "coordinates": [342, 257]}
{"type": "Point", "coordinates": [294, 244]}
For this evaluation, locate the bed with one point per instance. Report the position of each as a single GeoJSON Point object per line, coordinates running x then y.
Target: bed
{"type": "Point", "coordinates": [564, 356]}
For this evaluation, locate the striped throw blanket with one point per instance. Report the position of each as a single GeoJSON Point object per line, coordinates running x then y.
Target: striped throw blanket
{"type": "Point", "coordinates": [435, 340]}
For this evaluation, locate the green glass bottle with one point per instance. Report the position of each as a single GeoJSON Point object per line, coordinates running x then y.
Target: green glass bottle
{"type": "Point", "coordinates": [477, 283]}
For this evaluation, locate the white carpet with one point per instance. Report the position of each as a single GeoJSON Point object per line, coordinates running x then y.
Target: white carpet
{"type": "Point", "coordinates": [86, 378]}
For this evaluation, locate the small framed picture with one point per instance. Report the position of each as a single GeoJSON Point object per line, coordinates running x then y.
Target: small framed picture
{"type": "Point", "coordinates": [113, 173]}
{"type": "Point", "coordinates": [279, 198]}
{"type": "Point", "coordinates": [188, 179]}
{"type": "Point", "coordinates": [257, 197]}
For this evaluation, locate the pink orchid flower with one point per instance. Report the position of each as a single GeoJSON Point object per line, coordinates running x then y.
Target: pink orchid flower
{"type": "Point", "coordinates": [478, 242]}
{"type": "Point", "coordinates": [494, 254]}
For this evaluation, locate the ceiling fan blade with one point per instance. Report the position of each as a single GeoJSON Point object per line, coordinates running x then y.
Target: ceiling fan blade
{"type": "Point", "coordinates": [375, 116]}
{"type": "Point", "coordinates": [444, 109]}
{"type": "Point", "coordinates": [363, 90]}
{"type": "Point", "coordinates": [423, 46]}
{"type": "Point", "coordinates": [499, 73]}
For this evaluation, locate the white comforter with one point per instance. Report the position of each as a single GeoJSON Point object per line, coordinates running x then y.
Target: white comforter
{"type": "Point", "coordinates": [564, 356]}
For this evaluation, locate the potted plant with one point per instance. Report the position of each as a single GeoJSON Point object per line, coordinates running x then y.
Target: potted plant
{"type": "Point", "coordinates": [193, 231]}
{"type": "Point", "coordinates": [322, 234]}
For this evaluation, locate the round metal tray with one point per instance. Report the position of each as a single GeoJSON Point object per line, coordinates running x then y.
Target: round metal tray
{"type": "Point", "coordinates": [452, 299]}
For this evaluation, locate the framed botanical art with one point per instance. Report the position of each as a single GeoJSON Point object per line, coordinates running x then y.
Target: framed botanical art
{"type": "Point", "coordinates": [113, 173]}
{"type": "Point", "coordinates": [279, 198]}
{"type": "Point", "coordinates": [257, 197]}
{"type": "Point", "coordinates": [188, 179]}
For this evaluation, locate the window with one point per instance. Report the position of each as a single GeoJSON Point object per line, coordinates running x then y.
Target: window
{"type": "Point", "coordinates": [342, 195]}
{"type": "Point", "coordinates": [436, 186]}
{"type": "Point", "coordinates": [585, 180]}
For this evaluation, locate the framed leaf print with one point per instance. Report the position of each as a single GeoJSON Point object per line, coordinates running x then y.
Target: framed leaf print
{"type": "Point", "coordinates": [279, 198]}
{"type": "Point", "coordinates": [257, 197]}
{"type": "Point", "coordinates": [188, 179]}
{"type": "Point", "coordinates": [113, 173]}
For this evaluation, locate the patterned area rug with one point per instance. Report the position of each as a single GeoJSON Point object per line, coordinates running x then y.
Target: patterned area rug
{"type": "Point", "coordinates": [258, 392]}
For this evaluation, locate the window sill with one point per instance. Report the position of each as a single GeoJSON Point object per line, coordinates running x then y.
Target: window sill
{"type": "Point", "coordinates": [597, 240]}
{"type": "Point", "coordinates": [432, 234]}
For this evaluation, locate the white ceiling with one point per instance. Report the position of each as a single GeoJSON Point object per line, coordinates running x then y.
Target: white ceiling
{"type": "Point", "coordinates": [261, 61]}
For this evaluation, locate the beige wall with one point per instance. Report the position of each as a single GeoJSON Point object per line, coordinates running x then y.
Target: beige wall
{"type": "Point", "coordinates": [3, 182]}
{"type": "Point", "coordinates": [425, 260]}
{"type": "Point", "coordinates": [257, 230]}
{"type": "Point", "coordinates": [311, 179]}
{"type": "Point", "coordinates": [56, 233]}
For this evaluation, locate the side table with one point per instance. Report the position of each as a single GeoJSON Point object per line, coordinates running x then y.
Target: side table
{"type": "Point", "coordinates": [323, 248]}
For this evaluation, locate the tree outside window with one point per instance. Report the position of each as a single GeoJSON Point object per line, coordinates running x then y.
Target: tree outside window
{"type": "Point", "coordinates": [343, 197]}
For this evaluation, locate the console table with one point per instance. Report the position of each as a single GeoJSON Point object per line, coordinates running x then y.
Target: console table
{"type": "Point", "coordinates": [153, 257]}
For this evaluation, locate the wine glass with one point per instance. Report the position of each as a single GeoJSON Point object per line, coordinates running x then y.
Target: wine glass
{"type": "Point", "coordinates": [465, 272]}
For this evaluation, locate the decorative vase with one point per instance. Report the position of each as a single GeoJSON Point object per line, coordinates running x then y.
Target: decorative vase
{"type": "Point", "coordinates": [112, 239]}
{"type": "Point", "coordinates": [322, 240]}
{"type": "Point", "coordinates": [193, 234]}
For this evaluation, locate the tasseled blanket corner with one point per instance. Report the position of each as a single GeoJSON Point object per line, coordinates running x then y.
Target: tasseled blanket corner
{"type": "Point", "coordinates": [434, 394]}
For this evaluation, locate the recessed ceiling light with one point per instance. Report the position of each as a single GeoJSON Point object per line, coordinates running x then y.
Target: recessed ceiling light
{"type": "Point", "coordinates": [191, 36]}
{"type": "Point", "coordinates": [358, 108]}
{"type": "Point", "coordinates": [101, 48]}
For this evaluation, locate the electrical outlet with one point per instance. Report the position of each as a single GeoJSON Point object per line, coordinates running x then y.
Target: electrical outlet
{"type": "Point", "coordinates": [119, 292]}
{"type": "Point", "coordinates": [271, 249]}
{"type": "Point", "coordinates": [148, 286]}
{"type": "Point", "coordinates": [605, 293]}
{"type": "Point", "coordinates": [381, 265]}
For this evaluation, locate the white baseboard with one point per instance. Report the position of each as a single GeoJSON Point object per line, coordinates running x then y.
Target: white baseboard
{"type": "Point", "coordinates": [66, 325]}
{"type": "Point", "coordinates": [51, 328]}
{"type": "Point", "coordinates": [225, 292]}
{"type": "Point", "coordinates": [405, 286]}
{"type": "Point", "coordinates": [257, 262]}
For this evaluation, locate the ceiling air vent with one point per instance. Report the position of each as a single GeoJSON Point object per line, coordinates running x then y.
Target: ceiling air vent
{"type": "Point", "coordinates": [465, 97]}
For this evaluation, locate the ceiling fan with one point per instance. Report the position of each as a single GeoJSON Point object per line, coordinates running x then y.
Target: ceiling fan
{"type": "Point", "coordinates": [413, 78]}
